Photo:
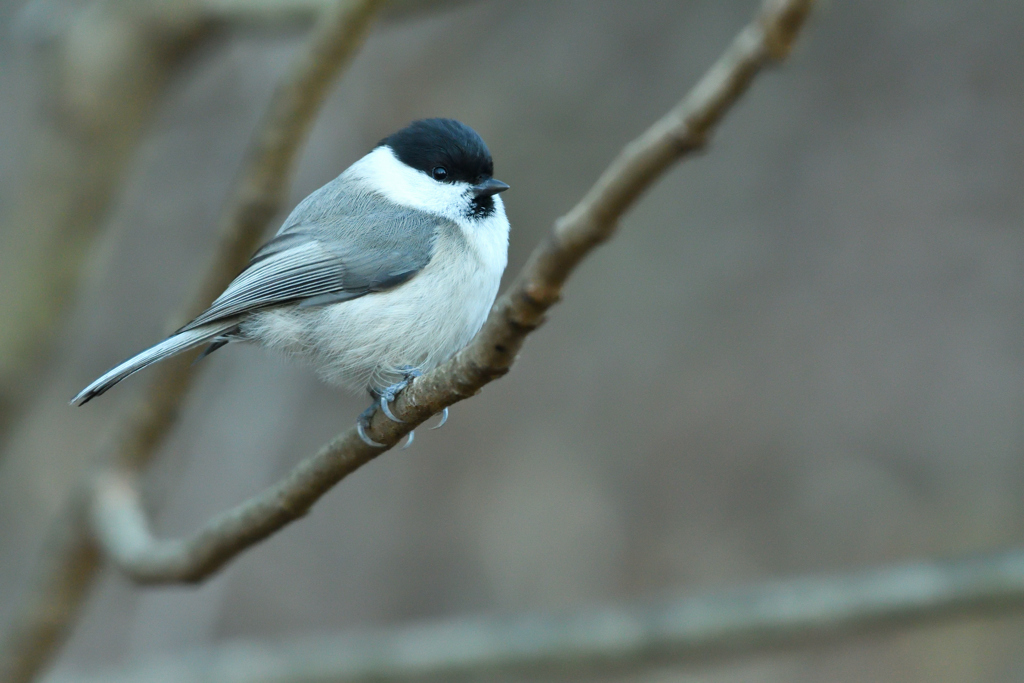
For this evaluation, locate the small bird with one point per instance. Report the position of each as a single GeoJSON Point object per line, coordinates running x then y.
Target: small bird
{"type": "Point", "coordinates": [380, 275]}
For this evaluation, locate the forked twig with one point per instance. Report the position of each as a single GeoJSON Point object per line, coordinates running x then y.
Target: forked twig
{"type": "Point", "coordinates": [118, 516]}
{"type": "Point", "coordinates": [72, 557]}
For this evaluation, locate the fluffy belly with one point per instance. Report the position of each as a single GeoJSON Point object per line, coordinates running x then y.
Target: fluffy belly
{"type": "Point", "coordinates": [366, 341]}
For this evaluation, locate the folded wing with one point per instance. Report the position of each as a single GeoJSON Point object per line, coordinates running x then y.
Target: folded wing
{"type": "Point", "coordinates": [331, 249]}
{"type": "Point", "coordinates": [303, 267]}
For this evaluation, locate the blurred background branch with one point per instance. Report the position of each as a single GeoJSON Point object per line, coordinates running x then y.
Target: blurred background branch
{"type": "Point", "coordinates": [801, 355]}
{"type": "Point", "coordinates": [71, 560]}
{"type": "Point", "coordinates": [103, 67]}
{"type": "Point", "coordinates": [118, 515]}
{"type": "Point", "coordinates": [102, 74]}
{"type": "Point", "coordinates": [785, 614]}
{"type": "Point", "coordinates": [277, 13]}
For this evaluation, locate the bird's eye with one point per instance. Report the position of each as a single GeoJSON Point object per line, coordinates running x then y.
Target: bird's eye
{"type": "Point", "coordinates": [439, 173]}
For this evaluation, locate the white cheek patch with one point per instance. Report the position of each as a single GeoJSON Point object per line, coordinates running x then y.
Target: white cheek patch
{"type": "Point", "coordinates": [384, 173]}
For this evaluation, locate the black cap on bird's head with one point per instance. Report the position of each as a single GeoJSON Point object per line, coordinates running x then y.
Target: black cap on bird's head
{"type": "Point", "coordinates": [448, 151]}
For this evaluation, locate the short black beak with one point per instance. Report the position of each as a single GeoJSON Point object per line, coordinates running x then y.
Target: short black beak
{"type": "Point", "coordinates": [489, 187]}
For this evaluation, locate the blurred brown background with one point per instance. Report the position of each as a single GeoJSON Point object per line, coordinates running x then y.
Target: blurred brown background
{"type": "Point", "coordinates": [802, 353]}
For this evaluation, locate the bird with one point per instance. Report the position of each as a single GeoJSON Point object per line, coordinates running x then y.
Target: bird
{"type": "Point", "coordinates": [380, 275]}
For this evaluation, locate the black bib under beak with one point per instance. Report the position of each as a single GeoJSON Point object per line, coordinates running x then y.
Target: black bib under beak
{"type": "Point", "coordinates": [489, 187]}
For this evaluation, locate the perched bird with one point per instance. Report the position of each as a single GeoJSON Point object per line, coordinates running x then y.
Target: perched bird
{"type": "Point", "coordinates": [381, 274]}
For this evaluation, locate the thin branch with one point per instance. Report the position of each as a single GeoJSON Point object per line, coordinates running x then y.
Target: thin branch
{"type": "Point", "coordinates": [118, 515]}
{"type": "Point", "coordinates": [787, 614]}
{"type": "Point", "coordinates": [276, 13]}
{"type": "Point", "coordinates": [72, 559]}
{"type": "Point", "coordinates": [91, 116]}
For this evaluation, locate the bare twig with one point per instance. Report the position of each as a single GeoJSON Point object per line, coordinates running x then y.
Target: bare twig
{"type": "Point", "coordinates": [102, 78]}
{"type": "Point", "coordinates": [275, 13]}
{"type": "Point", "coordinates": [788, 614]}
{"type": "Point", "coordinates": [118, 516]}
{"type": "Point", "coordinates": [72, 558]}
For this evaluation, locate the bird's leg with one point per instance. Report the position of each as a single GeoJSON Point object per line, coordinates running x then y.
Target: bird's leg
{"type": "Point", "coordinates": [383, 398]}
{"type": "Point", "coordinates": [388, 394]}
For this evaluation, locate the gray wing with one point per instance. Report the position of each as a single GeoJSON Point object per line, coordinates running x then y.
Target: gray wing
{"type": "Point", "coordinates": [363, 246]}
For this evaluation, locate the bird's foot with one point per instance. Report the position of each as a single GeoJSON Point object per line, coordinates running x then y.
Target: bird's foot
{"type": "Point", "coordinates": [384, 398]}
{"type": "Point", "coordinates": [444, 418]}
{"type": "Point", "coordinates": [363, 423]}
{"type": "Point", "coordinates": [388, 394]}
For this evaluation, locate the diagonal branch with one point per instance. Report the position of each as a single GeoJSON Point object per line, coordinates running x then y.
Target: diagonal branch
{"type": "Point", "coordinates": [784, 614]}
{"type": "Point", "coordinates": [118, 516]}
{"type": "Point", "coordinates": [72, 558]}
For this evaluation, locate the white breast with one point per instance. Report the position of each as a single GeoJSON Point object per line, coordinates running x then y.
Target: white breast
{"type": "Point", "coordinates": [421, 323]}
{"type": "Point", "coordinates": [366, 341]}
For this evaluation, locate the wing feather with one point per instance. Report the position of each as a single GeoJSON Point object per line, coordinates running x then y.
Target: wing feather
{"type": "Point", "coordinates": [340, 243]}
{"type": "Point", "coordinates": [300, 267]}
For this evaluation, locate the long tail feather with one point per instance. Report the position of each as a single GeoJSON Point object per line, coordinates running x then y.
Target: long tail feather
{"type": "Point", "coordinates": [168, 347]}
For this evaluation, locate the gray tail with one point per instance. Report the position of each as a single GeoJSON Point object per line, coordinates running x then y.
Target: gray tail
{"type": "Point", "coordinates": [168, 347]}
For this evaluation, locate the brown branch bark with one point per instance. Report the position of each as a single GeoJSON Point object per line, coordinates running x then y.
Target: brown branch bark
{"type": "Point", "coordinates": [117, 513]}
{"type": "Point", "coordinates": [785, 614]}
{"type": "Point", "coordinates": [72, 558]}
